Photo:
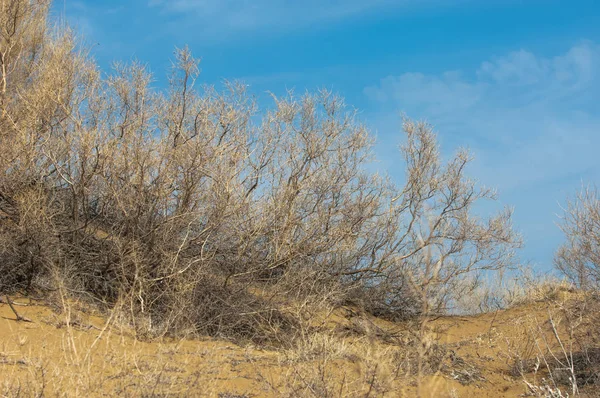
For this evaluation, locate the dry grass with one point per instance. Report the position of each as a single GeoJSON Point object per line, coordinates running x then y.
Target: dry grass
{"type": "Point", "coordinates": [346, 354]}
{"type": "Point", "coordinates": [558, 354]}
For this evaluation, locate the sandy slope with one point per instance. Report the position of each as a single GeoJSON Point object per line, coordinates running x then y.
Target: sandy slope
{"type": "Point", "coordinates": [87, 357]}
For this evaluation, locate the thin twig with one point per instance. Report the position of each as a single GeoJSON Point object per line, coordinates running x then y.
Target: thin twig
{"type": "Point", "coordinates": [12, 307]}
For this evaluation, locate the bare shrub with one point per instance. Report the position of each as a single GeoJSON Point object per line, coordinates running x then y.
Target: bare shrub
{"type": "Point", "coordinates": [558, 354]}
{"type": "Point", "coordinates": [437, 241]}
{"type": "Point", "coordinates": [519, 287]}
{"type": "Point", "coordinates": [579, 257]}
{"type": "Point", "coordinates": [190, 209]}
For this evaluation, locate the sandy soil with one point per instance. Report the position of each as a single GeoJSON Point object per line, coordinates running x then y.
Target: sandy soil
{"type": "Point", "coordinates": [79, 354]}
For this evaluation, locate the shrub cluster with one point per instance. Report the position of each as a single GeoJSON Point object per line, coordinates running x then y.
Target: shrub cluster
{"type": "Point", "coordinates": [200, 210]}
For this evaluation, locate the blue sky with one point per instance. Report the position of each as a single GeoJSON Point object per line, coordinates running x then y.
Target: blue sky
{"type": "Point", "coordinates": [516, 81]}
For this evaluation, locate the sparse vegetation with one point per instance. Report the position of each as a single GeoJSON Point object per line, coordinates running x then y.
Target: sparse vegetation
{"type": "Point", "coordinates": [190, 212]}
{"type": "Point", "coordinates": [579, 258]}
{"type": "Point", "coordinates": [182, 209]}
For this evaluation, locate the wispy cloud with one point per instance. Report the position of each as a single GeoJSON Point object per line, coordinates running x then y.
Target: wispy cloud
{"type": "Point", "coordinates": [529, 118]}
{"type": "Point", "coordinates": [533, 123]}
{"type": "Point", "coordinates": [243, 15]}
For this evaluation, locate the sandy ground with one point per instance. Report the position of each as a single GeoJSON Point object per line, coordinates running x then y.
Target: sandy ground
{"type": "Point", "coordinates": [79, 354]}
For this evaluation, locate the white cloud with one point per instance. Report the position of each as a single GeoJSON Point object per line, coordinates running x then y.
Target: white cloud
{"type": "Point", "coordinates": [243, 15]}
{"type": "Point", "coordinates": [528, 118]}
{"type": "Point", "coordinates": [532, 122]}
{"type": "Point", "coordinates": [434, 95]}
